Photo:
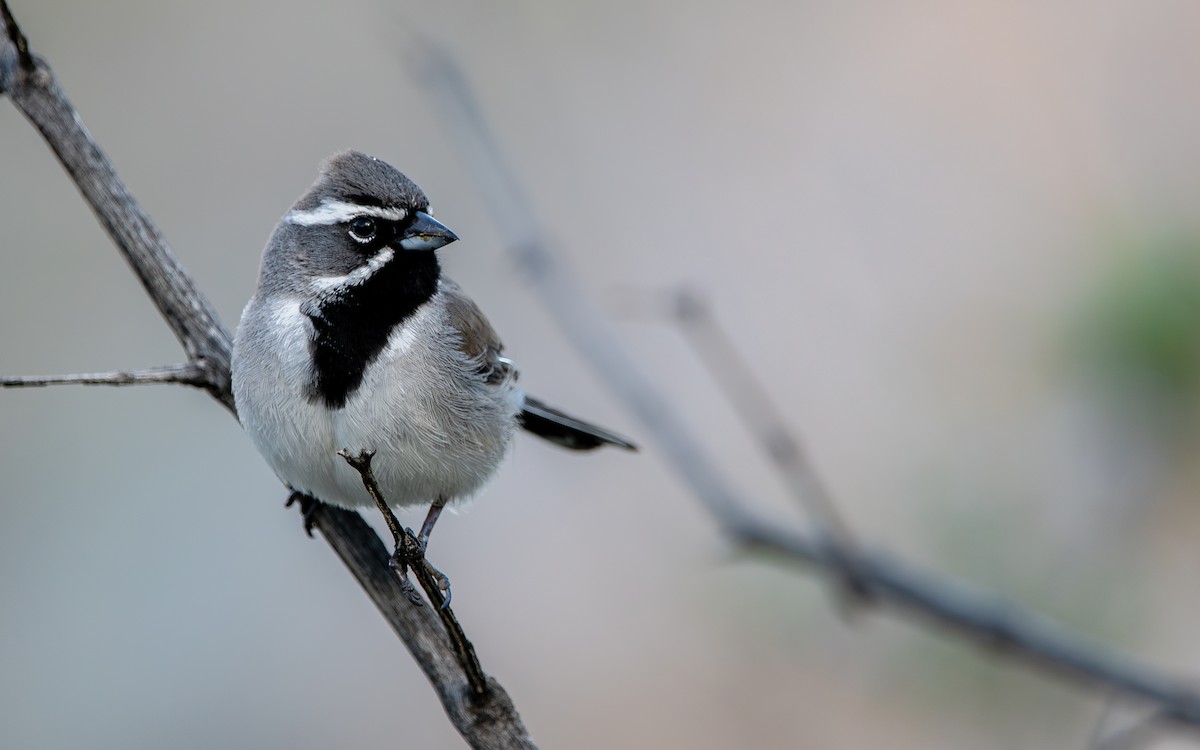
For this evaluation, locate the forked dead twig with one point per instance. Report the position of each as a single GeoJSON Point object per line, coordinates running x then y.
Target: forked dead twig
{"type": "Point", "coordinates": [408, 547]}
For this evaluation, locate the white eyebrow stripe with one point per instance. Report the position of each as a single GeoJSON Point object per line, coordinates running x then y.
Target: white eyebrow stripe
{"type": "Point", "coordinates": [335, 212]}
{"type": "Point", "coordinates": [358, 275]}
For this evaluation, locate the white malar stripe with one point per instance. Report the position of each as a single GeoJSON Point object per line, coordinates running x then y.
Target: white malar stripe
{"type": "Point", "coordinates": [335, 212]}
{"type": "Point", "coordinates": [358, 275]}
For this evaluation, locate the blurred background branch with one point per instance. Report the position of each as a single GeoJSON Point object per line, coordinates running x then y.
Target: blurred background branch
{"type": "Point", "coordinates": [985, 620]}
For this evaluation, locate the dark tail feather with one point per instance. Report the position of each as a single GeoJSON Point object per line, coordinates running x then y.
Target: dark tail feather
{"type": "Point", "coordinates": [551, 424]}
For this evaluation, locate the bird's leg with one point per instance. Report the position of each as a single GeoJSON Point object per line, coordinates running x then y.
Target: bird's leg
{"type": "Point", "coordinates": [435, 511]}
{"type": "Point", "coordinates": [308, 509]}
{"type": "Point", "coordinates": [408, 552]}
{"type": "Point", "coordinates": [403, 538]}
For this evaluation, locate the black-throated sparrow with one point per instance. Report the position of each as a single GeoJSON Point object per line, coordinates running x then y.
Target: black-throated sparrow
{"type": "Point", "coordinates": [354, 340]}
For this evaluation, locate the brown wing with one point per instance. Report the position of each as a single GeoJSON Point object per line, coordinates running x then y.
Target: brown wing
{"type": "Point", "coordinates": [480, 343]}
{"type": "Point", "coordinates": [478, 339]}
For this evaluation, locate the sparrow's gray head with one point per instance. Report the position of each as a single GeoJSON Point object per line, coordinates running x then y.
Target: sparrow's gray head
{"type": "Point", "coordinates": [355, 256]}
{"type": "Point", "coordinates": [360, 216]}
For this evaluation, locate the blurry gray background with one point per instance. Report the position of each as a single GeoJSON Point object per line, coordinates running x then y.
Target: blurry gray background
{"type": "Point", "coordinates": [956, 239]}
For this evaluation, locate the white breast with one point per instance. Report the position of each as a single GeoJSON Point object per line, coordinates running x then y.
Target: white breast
{"type": "Point", "coordinates": [436, 428]}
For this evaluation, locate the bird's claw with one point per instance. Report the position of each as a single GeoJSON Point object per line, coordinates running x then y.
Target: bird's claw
{"type": "Point", "coordinates": [308, 509]}
{"type": "Point", "coordinates": [409, 552]}
{"type": "Point", "coordinates": [443, 584]}
{"type": "Point", "coordinates": [399, 563]}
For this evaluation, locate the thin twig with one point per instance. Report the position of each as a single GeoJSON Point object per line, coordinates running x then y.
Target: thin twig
{"type": "Point", "coordinates": [405, 538]}
{"type": "Point", "coordinates": [190, 315]}
{"type": "Point", "coordinates": [761, 418]}
{"type": "Point", "coordinates": [983, 619]}
{"type": "Point", "coordinates": [183, 374]}
{"type": "Point", "coordinates": [362, 464]}
{"type": "Point", "coordinates": [753, 406]}
{"type": "Point", "coordinates": [487, 720]}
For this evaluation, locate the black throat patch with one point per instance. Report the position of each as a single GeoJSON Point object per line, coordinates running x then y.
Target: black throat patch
{"type": "Point", "coordinates": [351, 327]}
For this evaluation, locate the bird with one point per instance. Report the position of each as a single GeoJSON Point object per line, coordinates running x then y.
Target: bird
{"type": "Point", "coordinates": [355, 343]}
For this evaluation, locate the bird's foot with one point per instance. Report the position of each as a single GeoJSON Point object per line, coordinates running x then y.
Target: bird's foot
{"type": "Point", "coordinates": [443, 583]}
{"type": "Point", "coordinates": [308, 509]}
{"type": "Point", "coordinates": [440, 578]}
{"type": "Point", "coordinates": [410, 552]}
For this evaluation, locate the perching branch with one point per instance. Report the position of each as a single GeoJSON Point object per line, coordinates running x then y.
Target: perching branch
{"type": "Point", "coordinates": [31, 86]}
{"type": "Point", "coordinates": [986, 620]}
{"type": "Point", "coordinates": [487, 718]}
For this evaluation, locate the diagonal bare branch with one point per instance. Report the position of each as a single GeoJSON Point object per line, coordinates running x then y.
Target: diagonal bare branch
{"type": "Point", "coordinates": [182, 374]}
{"type": "Point", "coordinates": [35, 92]}
{"type": "Point", "coordinates": [752, 404]}
{"type": "Point", "coordinates": [985, 620]}
{"type": "Point", "coordinates": [750, 400]}
{"type": "Point", "coordinates": [487, 721]}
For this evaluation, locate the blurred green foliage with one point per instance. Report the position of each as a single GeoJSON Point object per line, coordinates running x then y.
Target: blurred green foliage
{"type": "Point", "coordinates": [1137, 335]}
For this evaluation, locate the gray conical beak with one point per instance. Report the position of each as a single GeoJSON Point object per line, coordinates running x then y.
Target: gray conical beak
{"type": "Point", "coordinates": [426, 233]}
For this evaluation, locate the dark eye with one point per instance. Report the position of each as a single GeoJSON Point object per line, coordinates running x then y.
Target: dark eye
{"type": "Point", "coordinates": [363, 229]}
